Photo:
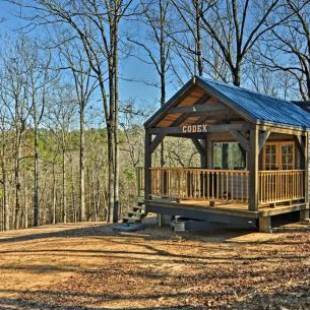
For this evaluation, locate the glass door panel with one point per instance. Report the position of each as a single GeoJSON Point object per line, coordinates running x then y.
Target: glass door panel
{"type": "Point", "coordinates": [288, 159]}
{"type": "Point", "coordinates": [270, 157]}
{"type": "Point", "coordinates": [279, 156]}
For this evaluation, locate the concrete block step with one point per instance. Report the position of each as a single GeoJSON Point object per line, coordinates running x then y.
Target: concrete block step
{"type": "Point", "coordinates": [134, 213]}
{"type": "Point", "coordinates": [133, 219]}
{"type": "Point", "coordinates": [138, 208]}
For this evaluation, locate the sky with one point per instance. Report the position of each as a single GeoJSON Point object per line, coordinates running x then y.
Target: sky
{"type": "Point", "coordinates": [132, 71]}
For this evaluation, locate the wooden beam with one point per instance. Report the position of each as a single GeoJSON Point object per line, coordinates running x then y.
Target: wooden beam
{"type": "Point", "coordinates": [307, 168]}
{"type": "Point", "coordinates": [301, 145]}
{"type": "Point", "coordinates": [263, 137]}
{"type": "Point", "coordinates": [209, 151]}
{"type": "Point", "coordinates": [244, 142]}
{"type": "Point", "coordinates": [197, 108]}
{"type": "Point", "coordinates": [210, 128]}
{"type": "Point", "coordinates": [253, 168]}
{"type": "Point", "coordinates": [147, 164]}
{"type": "Point", "coordinates": [281, 129]}
{"type": "Point", "coordinates": [156, 141]}
{"type": "Point", "coordinates": [180, 120]}
{"type": "Point", "coordinates": [184, 116]}
{"type": "Point", "coordinates": [199, 146]}
{"type": "Point", "coordinates": [219, 115]}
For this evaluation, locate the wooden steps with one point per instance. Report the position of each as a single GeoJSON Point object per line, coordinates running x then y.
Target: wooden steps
{"type": "Point", "coordinates": [135, 215]}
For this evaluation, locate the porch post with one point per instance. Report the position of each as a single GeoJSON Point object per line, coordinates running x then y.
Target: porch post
{"type": "Point", "coordinates": [304, 214]}
{"type": "Point", "coordinates": [253, 168]}
{"type": "Point", "coordinates": [204, 156]}
{"type": "Point", "coordinates": [147, 164]}
{"type": "Point", "coordinates": [209, 151]}
{"type": "Point", "coordinates": [201, 145]}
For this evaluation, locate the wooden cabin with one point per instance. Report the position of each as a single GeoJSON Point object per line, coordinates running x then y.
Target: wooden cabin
{"type": "Point", "coordinates": [253, 152]}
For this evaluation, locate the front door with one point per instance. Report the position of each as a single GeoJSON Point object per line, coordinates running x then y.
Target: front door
{"type": "Point", "coordinates": [279, 156]}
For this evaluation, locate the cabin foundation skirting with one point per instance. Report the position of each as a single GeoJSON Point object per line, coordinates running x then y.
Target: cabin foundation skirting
{"type": "Point", "coordinates": [232, 215]}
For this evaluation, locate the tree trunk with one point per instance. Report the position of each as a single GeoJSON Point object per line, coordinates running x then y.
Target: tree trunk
{"type": "Point", "coordinates": [73, 205]}
{"type": "Point", "coordinates": [236, 72]}
{"type": "Point", "coordinates": [113, 126]}
{"type": "Point", "coordinates": [26, 208]}
{"type": "Point", "coordinates": [197, 4]}
{"type": "Point", "coordinates": [36, 206]}
{"type": "Point", "coordinates": [82, 165]}
{"type": "Point", "coordinates": [111, 180]}
{"type": "Point", "coordinates": [54, 195]}
{"type": "Point", "coordinates": [6, 210]}
{"type": "Point", "coordinates": [163, 60]}
{"type": "Point", "coordinates": [64, 189]}
{"type": "Point", "coordinates": [308, 84]}
{"type": "Point", "coordinates": [17, 216]}
{"type": "Point", "coordinates": [116, 137]}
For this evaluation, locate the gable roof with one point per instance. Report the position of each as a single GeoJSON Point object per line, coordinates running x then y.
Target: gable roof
{"type": "Point", "coordinates": [253, 106]}
{"type": "Point", "coordinates": [261, 108]}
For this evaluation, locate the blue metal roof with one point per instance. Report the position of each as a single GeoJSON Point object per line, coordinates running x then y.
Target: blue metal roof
{"type": "Point", "coordinates": [260, 107]}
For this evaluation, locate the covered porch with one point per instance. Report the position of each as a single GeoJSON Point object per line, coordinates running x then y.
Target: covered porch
{"type": "Point", "coordinates": [248, 167]}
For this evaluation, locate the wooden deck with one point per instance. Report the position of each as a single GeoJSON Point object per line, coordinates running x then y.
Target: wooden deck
{"type": "Point", "coordinates": [203, 210]}
{"type": "Point", "coordinates": [200, 209]}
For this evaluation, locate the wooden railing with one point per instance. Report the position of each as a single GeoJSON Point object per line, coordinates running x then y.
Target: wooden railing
{"type": "Point", "coordinates": [281, 185]}
{"type": "Point", "coordinates": [194, 183]}
{"type": "Point", "coordinates": [223, 185]}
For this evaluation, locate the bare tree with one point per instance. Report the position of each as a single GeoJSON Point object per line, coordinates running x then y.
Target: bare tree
{"type": "Point", "coordinates": [287, 49]}
{"type": "Point", "coordinates": [235, 26]}
{"type": "Point", "coordinates": [96, 24]}
{"type": "Point", "coordinates": [156, 45]}
{"type": "Point", "coordinates": [73, 58]}
{"type": "Point", "coordinates": [59, 120]}
{"type": "Point", "coordinates": [5, 128]}
{"type": "Point", "coordinates": [19, 105]}
{"type": "Point", "coordinates": [38, 78]}
{"type": "Point", "coordinates": [187, 35]}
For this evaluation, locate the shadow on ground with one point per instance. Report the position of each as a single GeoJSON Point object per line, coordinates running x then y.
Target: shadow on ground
{"type": "Point", "coordinates": [101, 230]}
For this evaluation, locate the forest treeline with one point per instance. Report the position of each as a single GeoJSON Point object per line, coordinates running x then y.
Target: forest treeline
{"type": "Point", "coordinates": [70, 140]}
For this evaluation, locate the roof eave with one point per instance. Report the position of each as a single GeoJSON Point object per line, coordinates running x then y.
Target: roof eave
{"type": "Point", "coordinates": [269, 123]}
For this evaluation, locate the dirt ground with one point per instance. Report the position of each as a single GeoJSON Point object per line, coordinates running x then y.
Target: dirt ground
{"type": "Point", "coordinates": [88, 266]}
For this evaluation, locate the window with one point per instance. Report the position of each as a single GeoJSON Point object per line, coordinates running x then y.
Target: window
{"type": "Point", "coordinates": [279, 156]}
{"type": "Point", "coordinates": [228, 155]}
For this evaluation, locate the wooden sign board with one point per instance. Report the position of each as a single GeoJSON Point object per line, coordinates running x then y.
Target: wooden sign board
{"type": "Point", "coordinates": [194, 128]}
